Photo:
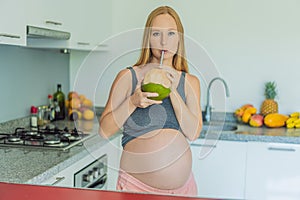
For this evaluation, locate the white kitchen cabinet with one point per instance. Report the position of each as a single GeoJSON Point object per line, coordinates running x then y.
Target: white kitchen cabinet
{"type": "Point", "coordinates": [273, 171]}
{"type": "Point", "coordinates": [90, 24]}
{"type": "Point", "coordinates": [47, 14]}
{"type": "Point", "coordinates": [50, 15]}
{"type": "Point", "coordinates": [219, 168]}
{"type": "Point", "coordinates": [12, 22]}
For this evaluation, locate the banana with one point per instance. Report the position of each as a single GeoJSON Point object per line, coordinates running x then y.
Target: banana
{"type": "Point", "coordinates": [291, 120]}
{"type": "Point", "coordinates": [295, 114]}
{"type": "Point", "coordinates": [297, 121]}
{"type": "Point", "coordinates": [290, 125]}
{"type": "Point", "coordinates": [297, 125]}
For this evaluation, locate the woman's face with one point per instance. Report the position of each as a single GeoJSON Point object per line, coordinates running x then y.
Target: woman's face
{"type": "Point", "coordinates": [164, 37]}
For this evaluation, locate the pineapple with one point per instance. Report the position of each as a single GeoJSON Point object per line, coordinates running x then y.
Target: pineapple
{"type": "Point", "coordinates": [269, 105]}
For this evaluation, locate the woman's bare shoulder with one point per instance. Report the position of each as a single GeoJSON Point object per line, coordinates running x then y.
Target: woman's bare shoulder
{"type": "Point", "coordinates": [192, 79]}
{"type": "Point", "coordinates": [123, 75]}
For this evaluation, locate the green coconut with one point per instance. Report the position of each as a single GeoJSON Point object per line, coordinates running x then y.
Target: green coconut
{"type": "Point", "coordinates": [156, 81]}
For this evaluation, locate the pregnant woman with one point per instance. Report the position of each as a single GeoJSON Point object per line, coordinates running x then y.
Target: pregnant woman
{"type": "Point", "coordinates": [156, 156]}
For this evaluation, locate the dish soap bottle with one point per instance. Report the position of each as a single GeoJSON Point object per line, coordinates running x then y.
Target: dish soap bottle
{"type": "Point", "coordinates": [59, 97]}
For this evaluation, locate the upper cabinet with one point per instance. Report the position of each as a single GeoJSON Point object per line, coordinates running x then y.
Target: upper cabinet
{"type": "Point", "coordinates": [12, 22]}
{"type": "Point", "coordinates": [89, 22]}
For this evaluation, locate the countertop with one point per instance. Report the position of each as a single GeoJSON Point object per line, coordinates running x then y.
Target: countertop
{"type": "Point", "coordinates": [23, 165]}
{"type": "Point", "coordinates": [246, 133]}
{"type": "Point", "coordinates": [20, 165]}
{"type": "Point", "coordinates": [21, 191]}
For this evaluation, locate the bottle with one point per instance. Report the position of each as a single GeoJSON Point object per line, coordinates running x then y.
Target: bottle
{"type": "Point", "coordinates": [51, 110]}
{"type": "Point", "coordinates": [56, 108]}
{"type": "Point", "coordinates": [59, 97]}
{"type": "Point", "coordinates": [40, 116]}
{"type": "Point", "coordinates": [33, 118]}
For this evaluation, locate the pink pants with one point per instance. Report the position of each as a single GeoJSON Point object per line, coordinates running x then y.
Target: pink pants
{"type": "Point", "coordinates": [126, 182]}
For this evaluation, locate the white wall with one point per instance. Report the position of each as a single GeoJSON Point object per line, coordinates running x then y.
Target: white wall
{"type": "Point", "coordinates": [245, 42]}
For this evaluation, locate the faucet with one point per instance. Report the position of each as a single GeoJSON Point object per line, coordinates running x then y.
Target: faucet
{"type": "Point", "coordinates": [208, 107]}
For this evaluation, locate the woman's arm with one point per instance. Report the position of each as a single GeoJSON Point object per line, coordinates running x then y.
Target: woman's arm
{"type": "Point", "coordinates": [118, 107]}
{"type": "Point", "coordinates": [121, 104]}
{"type": "Point", "coordinates": [188, 114]}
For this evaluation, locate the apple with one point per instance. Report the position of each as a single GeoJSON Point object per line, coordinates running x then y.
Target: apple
{"type": "Point", "coordinates": [256, 120]}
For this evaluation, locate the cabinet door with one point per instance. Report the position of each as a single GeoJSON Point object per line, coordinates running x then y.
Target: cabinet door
{"type": "Point", "coordinates": [219, 168]}
{"type": "Point", "coordinates": [113, 149]}
{"type": "Point", "coordinates": [12, 22]}
{"type": "Point", "coordinates": [273, 171]}
{"type": "Point", "coordinates": [90, 24]}
{"type": "Point", "coordinates": [47, 14]}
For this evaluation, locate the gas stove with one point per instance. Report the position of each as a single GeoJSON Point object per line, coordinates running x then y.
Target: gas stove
{"type": "Point", "coordinates": [45, 138]}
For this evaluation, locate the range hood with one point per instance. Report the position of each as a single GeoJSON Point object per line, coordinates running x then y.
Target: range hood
{"type": "Point", "coordinates": [38, 32]}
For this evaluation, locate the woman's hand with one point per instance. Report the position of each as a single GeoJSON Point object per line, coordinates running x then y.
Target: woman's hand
{"type": "Point", "coordinates": [140, 99]}
{"type": "Point", "coordinates": [173, 75]}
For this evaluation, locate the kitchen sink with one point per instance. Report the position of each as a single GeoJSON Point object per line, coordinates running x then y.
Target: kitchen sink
{"type": "Point", "coordinates": [215, 126]}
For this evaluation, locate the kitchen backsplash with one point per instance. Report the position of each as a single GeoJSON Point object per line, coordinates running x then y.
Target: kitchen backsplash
{"type": "Point", "coordinates": [27, 76]}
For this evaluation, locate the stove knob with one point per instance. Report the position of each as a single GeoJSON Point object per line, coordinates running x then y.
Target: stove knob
{"type": "Point", "coordinates": [66, 129]}
{"type": "Point", "coordinates": [88, 177]}
{"type": "Point", "coordinates": [101, 171]}
{"type": "Point", "coordinates": [96, 172]}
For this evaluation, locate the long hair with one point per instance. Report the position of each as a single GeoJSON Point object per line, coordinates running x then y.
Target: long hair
{"type": "Point", "coordinates": [179, 60]}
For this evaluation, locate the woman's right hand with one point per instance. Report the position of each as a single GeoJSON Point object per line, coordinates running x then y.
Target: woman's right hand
{"type": "Point", "coordinates": [140, 99]}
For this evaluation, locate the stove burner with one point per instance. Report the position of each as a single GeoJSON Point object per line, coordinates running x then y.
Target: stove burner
{"type": "Point", "coordinates": [52, 140]}
{"type": "Point", "coordinates": [67, 134]}
{"type": "Point", "coordinates": [13, 139]}
{"type": "Point", "coordinates": [73, 138]}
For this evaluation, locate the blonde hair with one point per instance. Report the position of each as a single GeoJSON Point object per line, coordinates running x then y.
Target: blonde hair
{"type": "Point", "coordinates": [179, 61]}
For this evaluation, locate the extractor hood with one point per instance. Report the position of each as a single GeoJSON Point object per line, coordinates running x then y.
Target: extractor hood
{"type": "Point", "coordinates": [38, 32]}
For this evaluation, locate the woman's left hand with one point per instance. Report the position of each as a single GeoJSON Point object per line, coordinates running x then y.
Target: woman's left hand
{"type": "Point", "coordinates": [173, 75]}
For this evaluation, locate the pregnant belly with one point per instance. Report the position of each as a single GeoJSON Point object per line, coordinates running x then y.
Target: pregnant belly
{"type": "Point", "coordinates": [161, 159]}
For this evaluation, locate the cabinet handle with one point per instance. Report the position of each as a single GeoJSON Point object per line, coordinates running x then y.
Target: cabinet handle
{"type": "Point", "coordinates": [83, 43]}
{"type": "Point", "coordinates": [102, 45]}
{"type": "Point", "coordinates": [9, 35]}
{"type": "Point", "coordinates": [204, 145]}
{"type": "Point", "coordinates": [58, 179]}
{"type": "Point", "coordinates": [281, 149]}
{"type": "Point", "coordinates": [54, 23]}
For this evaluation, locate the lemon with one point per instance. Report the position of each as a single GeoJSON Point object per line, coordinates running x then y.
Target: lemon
{"type": "Point", "coordinates": [88, 114]}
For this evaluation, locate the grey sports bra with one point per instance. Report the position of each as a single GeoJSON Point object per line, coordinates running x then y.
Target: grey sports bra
{"type": "Point", "coordinates": [156, 116]}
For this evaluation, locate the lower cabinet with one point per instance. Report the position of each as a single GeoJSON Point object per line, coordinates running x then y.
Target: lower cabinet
{"type": "Point", "coordinates": [219, 168]}
{"type": "Point", "coordinates": [273, 171]}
